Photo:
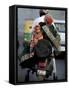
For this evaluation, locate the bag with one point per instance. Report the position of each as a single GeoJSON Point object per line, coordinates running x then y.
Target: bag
{"type": "Point", "coordinates": [52, 35]}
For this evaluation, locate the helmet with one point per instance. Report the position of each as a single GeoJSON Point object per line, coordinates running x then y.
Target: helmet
{"type": "Point", "coordinates": [43, 48]}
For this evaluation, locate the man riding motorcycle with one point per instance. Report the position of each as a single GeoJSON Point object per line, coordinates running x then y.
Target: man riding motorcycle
{"type": "Point", "coordinates": [41, 45]}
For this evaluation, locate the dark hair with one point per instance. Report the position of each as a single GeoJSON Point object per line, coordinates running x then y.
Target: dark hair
{"type": "Point", "coordinates": [41, 12]}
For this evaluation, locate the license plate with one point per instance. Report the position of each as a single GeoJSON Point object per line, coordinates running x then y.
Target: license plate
{"type": "Point", "coordinates": [41, 72]}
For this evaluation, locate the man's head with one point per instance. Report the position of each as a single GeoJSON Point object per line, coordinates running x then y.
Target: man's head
{"type": "Point", "coordinates": [43, 12]}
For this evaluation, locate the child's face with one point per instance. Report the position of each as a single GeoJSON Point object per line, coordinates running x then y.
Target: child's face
{"type": "Point", "coordinates": [37, 32]}
{"type": "Point", "coordinates": [37, 29]}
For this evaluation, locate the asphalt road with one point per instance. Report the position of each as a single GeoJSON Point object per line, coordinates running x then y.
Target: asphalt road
{"type": "Point", "coordinates": [60, 68]}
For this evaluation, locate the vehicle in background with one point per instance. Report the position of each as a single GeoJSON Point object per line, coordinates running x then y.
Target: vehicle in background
{"type": "Point", "coordinates": [60, 25]}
